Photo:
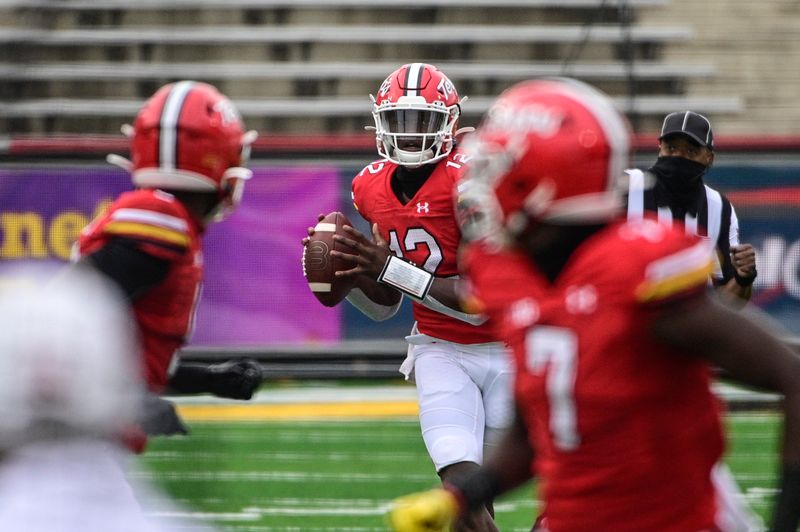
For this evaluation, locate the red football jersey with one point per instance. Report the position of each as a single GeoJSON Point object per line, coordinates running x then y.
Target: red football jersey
{"type": "Point", "coordinates": [423, 231]}
{"type": "Point", "coordinates": [163, 228]}
{"type": "Point", "coordinates": [626, 429]}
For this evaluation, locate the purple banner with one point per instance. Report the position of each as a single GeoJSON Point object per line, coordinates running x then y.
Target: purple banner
{"type": "Point", "coordinates": [254, 292]}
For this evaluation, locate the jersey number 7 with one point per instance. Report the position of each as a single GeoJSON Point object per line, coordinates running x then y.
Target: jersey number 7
{"type": "Point", "coordinates": [555, 350]}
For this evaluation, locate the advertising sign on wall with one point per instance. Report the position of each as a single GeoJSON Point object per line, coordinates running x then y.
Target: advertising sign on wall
{"type": "Point", "coordinates": [254, 290]}
{"type": "Point", "coordinates": [767, 202]}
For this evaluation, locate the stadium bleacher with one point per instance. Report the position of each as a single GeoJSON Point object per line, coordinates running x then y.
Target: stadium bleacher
{"type": "Point", "coordinates": [75, 66]}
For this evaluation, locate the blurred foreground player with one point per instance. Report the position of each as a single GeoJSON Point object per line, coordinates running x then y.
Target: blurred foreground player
{"type": "Point", "coordinates": [462, 375]}
{"type": "Point", "coordinates": [188, 151]}
{"type": "Point", "coordinates": [68, 387]}
{"type": "Point", "coordinates": [613, 335]}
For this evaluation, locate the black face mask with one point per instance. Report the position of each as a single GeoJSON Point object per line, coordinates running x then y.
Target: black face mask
{"type": "Point", "coordinates": [679, 175]}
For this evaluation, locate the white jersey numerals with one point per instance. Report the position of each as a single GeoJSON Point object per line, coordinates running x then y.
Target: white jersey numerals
{"type": "Point", "coordinates": [414, 237]}
{"type": "Point", "coordinates": [373, 168]}
{"type": "Point", "coordinates": [555, 350]}
{"type": "Point", "coordinates": [458, 160]}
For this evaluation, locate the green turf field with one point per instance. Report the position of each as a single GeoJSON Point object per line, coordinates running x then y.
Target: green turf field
{"type": "Point", "coordinates": [340, 475]}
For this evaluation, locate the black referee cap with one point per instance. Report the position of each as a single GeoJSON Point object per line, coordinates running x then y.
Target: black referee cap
{"type": "Point", "coordinates": [693, 125]}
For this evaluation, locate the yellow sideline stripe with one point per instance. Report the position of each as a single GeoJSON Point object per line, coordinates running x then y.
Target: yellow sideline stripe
{"type": "Point", "coordinates": [266, 412]}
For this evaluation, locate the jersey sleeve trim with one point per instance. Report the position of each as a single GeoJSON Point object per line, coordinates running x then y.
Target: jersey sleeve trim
{"type": "Point", "coordinates": [155, 226]}
{"type": "Point", "coordinates": [150, 232]}
{"type": "Point", "coordinates": [678, 273]}
{"type": "Point", "coordinates": [150, 218]}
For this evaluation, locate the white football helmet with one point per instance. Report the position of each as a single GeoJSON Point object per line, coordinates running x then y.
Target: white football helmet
{"type": "Point", "coordinates": [68, 359]}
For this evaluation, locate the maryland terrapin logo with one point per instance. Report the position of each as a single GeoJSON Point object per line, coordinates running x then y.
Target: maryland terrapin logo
{"type": "Point", "coordinates": [229, 113]}
{"type": "Point", "coordinates": [385, 87]}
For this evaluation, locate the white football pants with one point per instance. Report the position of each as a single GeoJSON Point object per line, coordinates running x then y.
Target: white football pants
{"type": "Point", "coordinates": [465, 398]}
{"type": "Point", "coordinates": [733, 514]}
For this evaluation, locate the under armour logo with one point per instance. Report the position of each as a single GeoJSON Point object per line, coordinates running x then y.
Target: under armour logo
{"type": "Point", "coordinates": [523, 313]}
{"type": "Point", "coordinates": [581, 299]}
{"type": "Point", "coordinates": [423, 207]}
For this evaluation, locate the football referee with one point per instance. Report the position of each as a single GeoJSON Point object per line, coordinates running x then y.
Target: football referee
{"type": "Point", "coordinates": [678, 194]}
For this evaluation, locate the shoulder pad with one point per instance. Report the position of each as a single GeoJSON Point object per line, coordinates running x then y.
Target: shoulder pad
{"type": "Point", "coordinates": [150, 215]}
{"type": "Point", "coordinates": [673, 267]}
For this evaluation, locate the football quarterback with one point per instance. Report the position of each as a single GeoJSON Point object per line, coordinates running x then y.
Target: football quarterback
{"type": "Point", "coordinates": [462, 374]}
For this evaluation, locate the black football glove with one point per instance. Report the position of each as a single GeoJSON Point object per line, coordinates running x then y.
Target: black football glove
{"type": "Point", "coordinates": [159, 418]}
{"type": "Point", "coordinates": [235, 379]}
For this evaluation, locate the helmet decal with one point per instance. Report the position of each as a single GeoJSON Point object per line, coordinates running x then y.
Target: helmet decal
{"type": "Point", "coordinates": [167, 152]}
{"type": "Point", "coordinates": [413, 81]}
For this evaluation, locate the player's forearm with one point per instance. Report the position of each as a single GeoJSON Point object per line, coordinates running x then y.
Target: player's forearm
{"type": "Point", "coordinates": [508, 467]}
{"type": "Point", "coordinates": [378, 293]}
{"type": "Point", "coordinates": [443, 298]}
{"type": "Point", "coordinates": [735, 294]}
{"type": "Point", "coordinates": [375, 301]}
{"type": "Point", "coordinates": [513, 456]}
{"type": "Point", "coordinates": [234, 379]}
{"type": "Point", "coordinates": [786, 514]}
{"type": "Point", "coordinates": [754, 357]}
{"type": "Point", "coordinates": [424, 288]}
{"type": "Point", "coordinates": [444, 291]}
{"type": "Point", "coordinates": [750, 354]}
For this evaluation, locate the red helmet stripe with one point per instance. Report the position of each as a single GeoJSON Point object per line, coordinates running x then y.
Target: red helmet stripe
{"type": "Point", "coordinates": [168, 140]}
{"type": "Point", "coordinates": [414, 78]}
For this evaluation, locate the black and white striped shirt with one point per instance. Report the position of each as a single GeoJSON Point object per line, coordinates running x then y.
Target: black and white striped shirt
{"type": "Point", "coordinates": [715, 218]}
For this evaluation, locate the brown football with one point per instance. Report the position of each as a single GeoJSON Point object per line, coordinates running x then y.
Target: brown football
{"type": "Point", "coordinates": [318, 265]}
